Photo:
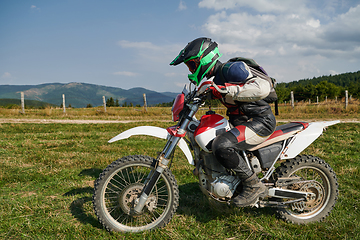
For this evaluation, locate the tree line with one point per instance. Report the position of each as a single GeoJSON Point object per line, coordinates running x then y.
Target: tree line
{"type": "Point", "coordinates": [331, 86]}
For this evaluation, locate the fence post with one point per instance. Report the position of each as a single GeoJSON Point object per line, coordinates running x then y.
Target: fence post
{"type": "Point", "coordinates": [22, 103]}
{"type": "Point", "coordinates": [145, 105]}
{"type": "Point", "coordinates": [104, 103]}
{"type": "Point", "coordinates": [63, 96]}
{"type": "Point", "coordinates": [346, 99]}
{"type": "Point", "coordinates": [317, 100]}
{"type": "Point", "coordinates": [309, 101]}
{"type": "Point", "coordinates": [292, 99]}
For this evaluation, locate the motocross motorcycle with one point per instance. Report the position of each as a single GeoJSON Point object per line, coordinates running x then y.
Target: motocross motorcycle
{"type": "Point", "coordinates": [137, 193]}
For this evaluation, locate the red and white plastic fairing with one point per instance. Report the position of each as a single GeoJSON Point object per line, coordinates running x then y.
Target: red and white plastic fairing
{"type": "Point", "coordinates": [210, 126]}
{"type": "Point", "coordinates": [177, 106]}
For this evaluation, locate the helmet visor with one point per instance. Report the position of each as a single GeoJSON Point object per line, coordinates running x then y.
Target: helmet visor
{"type": "Point", "coordinates": [193, 64]}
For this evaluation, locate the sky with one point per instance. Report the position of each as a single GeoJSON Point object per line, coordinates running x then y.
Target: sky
{"type": "Point", "coordinates": [130, 44]}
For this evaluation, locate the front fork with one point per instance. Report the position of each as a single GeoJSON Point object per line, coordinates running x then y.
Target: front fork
{"type": "Point", "coordinates": [162, 160]}
{"type": "Point", "coordinates": [154, 175]}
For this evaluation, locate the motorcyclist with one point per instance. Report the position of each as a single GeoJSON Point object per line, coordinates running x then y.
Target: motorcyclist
{"type": "Point", "coordinates": [242, 93]}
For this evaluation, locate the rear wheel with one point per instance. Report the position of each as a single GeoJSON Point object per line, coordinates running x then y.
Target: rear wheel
{"type": "Point", "coordinates": [116, 193]}
{"type": "Point", "coordinates": [316, 177]}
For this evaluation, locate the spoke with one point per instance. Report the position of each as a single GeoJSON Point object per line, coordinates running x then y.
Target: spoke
{"type": "Point", "coordinates": [112, 197]}
{"type": "Point", "coordinates": [112, 184]}
{"type": "Point", "coordinates": [122, 177]}
{"type": "Point", "coordinates": [112, 191]}
{"type": "Point", "coordinates": [133, 172]}
{"type": "Point", "coordinates": [154, 217]}
{"type": "Point", "coordinates": [161, 195]}
{"type": "Point", "coordinates": [141, 177]}
{"type": "Point", "coordinates": [118, 181]}
{"type": "Point", "coordinates": [112, 209]}
{"type": "Point", "coordinates": [127, 173]}
{"type": "Point", "coordinates": [163, 199]}
{"type": "Point", "coordinates": [159, 213]}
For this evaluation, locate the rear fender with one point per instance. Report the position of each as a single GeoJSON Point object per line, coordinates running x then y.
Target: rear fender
{"type": "Point", "coordinates": [155, 132]}
{"type": "Point", "coordinates": [304, 138]}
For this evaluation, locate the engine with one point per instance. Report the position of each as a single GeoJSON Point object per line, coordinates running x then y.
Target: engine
{"type": "Point", "coordinates": [224, 186]}
{"type": "Point", "coordinates": [214, 179]}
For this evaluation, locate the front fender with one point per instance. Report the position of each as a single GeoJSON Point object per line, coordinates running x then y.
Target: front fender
{"type": "Point", "coordinates": [155, 132]}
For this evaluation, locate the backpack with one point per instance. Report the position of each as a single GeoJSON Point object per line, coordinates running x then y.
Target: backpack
{"type": "Point", "coordinates": [258, 71]}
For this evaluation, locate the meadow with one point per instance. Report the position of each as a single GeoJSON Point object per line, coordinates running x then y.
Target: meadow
{"type": "Point", "coordinates": [330, 109]}
{"type": "Point", "coordinates": [47, 173]}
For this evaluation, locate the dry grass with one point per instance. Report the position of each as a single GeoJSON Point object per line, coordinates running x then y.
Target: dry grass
{"type": "Point", "coordinates": [302, 110]}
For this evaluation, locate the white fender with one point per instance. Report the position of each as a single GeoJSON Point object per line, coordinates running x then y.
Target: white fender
{"type": "Point", "coordinates": [304, 138]}
{"type": "Point", "coordinates": [155, 132]}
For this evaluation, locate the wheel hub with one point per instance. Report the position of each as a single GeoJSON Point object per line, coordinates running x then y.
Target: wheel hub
{"type": "Point", "coordinates": [129, 198]}
{"type": "Point", "coordinates": [318, 190]}
{"type": "Point", "coordinates": [314, 200]}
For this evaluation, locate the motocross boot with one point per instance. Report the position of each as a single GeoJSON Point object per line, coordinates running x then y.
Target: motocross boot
{"type": "Point", "coordinates": [253, 188]}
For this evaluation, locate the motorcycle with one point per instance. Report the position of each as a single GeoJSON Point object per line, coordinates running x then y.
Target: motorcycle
{"type": "Point", "coordinates": [137, 193]}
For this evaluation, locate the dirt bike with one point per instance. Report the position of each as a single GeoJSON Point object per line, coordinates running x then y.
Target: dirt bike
{"type": "Point", "coordinates": [137, 193]}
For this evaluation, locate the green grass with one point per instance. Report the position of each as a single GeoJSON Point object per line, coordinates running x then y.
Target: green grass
{"type": "Point", "coordinates": [47, 173]}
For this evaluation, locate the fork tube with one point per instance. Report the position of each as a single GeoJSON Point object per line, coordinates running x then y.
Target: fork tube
{"type": "Point", "coordinates": [163, 160]}
{"type": "Point", "coordinates": [162, 164]}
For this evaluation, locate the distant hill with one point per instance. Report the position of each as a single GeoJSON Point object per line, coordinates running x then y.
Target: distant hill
{"type": "Point", "coordinates": [81, 94]}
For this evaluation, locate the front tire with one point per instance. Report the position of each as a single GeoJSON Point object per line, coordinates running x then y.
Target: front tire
{"type": "Point", "coordinates": [118, 187]}
{"type": "Point", "coordinates": [316, 177]}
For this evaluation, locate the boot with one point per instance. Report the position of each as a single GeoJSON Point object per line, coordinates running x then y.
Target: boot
{"type": "Point", "coordinates": [252, 189]}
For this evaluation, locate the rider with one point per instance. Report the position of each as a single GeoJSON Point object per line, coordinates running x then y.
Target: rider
{"type": "Point", "coordinates": [242, 93]}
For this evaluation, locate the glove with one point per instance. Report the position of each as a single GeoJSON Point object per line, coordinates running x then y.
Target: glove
{"type": "Point", "coordinates": [218, 92]}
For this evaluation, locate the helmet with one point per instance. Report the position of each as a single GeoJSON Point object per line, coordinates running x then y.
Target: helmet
{"type": "Point", "coordinates": [200, 56]}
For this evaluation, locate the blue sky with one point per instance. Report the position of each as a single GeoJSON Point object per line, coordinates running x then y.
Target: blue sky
{"type": "Point", "coordinates": [130, 44]}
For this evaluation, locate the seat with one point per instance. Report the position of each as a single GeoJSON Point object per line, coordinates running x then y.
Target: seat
{"type": "Point", "coordinates": [282, 132]}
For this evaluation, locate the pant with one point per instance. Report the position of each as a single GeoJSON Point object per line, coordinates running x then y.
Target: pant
{"type": "Point", "coordinates": [226, 146]}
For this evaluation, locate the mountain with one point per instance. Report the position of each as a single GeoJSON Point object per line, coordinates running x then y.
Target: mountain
{"type": "Point", "coordinates": [81, 94]}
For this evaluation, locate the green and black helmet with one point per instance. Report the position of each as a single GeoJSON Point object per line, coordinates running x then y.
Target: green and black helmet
{"type": "Point", "coordinates": [200, 56]}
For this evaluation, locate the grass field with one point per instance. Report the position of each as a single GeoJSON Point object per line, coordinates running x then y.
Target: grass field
{"type": "Point", "coordinates": [47, 173]}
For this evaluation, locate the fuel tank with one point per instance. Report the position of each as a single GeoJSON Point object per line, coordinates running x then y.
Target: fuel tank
{"type": "Point", "coordinates": [210, 126]}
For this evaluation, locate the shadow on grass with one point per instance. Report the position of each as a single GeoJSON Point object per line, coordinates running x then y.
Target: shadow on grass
{"type": "Point", "coordinates": [194, 203]}
{"type": "Point", "coordinates": [80, 207]}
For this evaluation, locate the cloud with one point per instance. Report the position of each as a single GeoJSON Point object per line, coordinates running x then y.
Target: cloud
{"type": "Point", "coordinates": [258, 5]}
{"type": "Point", "coordinates": [34, 8]}
{"type": "Point", "coordinates": [294, 38]}
{"type": "Point", "coordinates": [127, 74]}
{"type": "Point", "coordinates": [267, 31]}
{"type": "Point", "coordinates": [6, 75]}
{"type": "Point", "coordinates": [182, 6]}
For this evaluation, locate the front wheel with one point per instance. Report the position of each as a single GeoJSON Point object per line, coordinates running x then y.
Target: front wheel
{"type": "Point", "coordinates": [316, 177]}
{"type": "Point", "coordinates": [116, 193]}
